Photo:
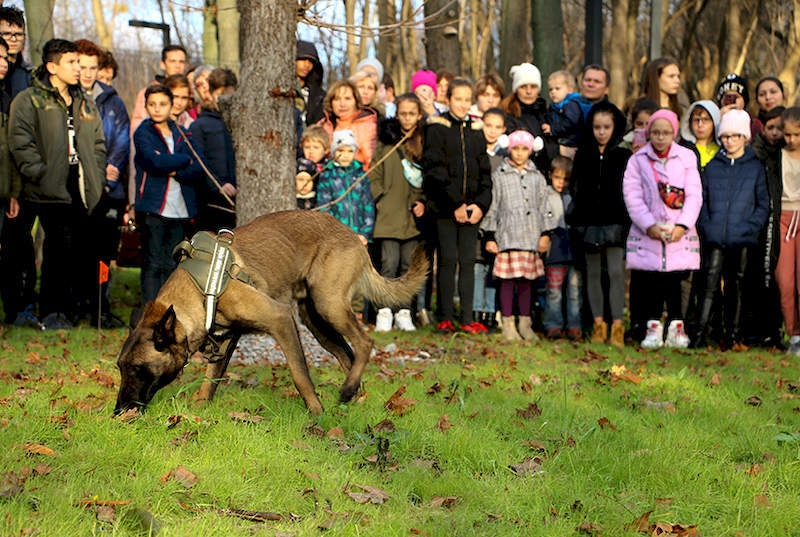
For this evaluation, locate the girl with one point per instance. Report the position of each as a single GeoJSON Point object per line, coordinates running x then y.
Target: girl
{"type": "Point", "coordinates": [343, 111]}
{"type": "Point", "coordinates": [663, 195]}
{"type": "Point", "coordinates": [598, 212]}
{"type": "Point", "coordinates": [514, 224]}
{"type": "Point", "coordinates": [642, 109]}
{"type": "Point", "coordinates": [423, 84]}
{"type": "Point", "coordinates": [396, 187]}
{"type": "Point", "coordinates": [458, 187]}
{"type": "Point", "coordinates": [166, 175]}
{"type": "Point", "coordinates": [181, 100]}
{"type": "Point", "coordinates": [769, 94]}
{"type": "Point", "coordinates": [662, 82]}
{"type": "Point", "coordinates": [735, 208]}
{"type": "Point", "coordinates": [699, 131]}
{"type": "Point", "coordinates": [489, 91]}
{"type": "Point", "coordinates": [783, 177]}
{"type": "Point", "coordinates": [526, 109]}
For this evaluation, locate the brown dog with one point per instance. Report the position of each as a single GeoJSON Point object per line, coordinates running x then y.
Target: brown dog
{"type": "Point", "coordinates": [294, 257]}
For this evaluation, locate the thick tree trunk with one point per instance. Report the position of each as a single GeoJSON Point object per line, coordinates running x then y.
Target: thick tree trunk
{"type": "Point", "coordinates": [352, 46]}
{"type": "Point", "coordinates": [39, 17]}
{"type": "Point", "coordinates": [210, 41]}
{"type": "Point", "coordinates": [363, 41]}
{"type": "Point", "coordinates": [261, 113]}
{"type": "Point", "coordinates": [547, 23]}
{"type": "Point", "coordinates": [617, 53]}
{"type": "Point", "coordinates": [515, 47]}
{"type": "Point", "coordinates": [734, 37]}
{"type": "Point", "coordinates": [228, 24]}
{"type": "Point", "coordinates": [103, 33]}
{"type": "Point", "coordinates": [791, 60]}
{"type": "Point", "coordinates": [385, 41]}
{"type": "Point", "coordinates": [442, 49]}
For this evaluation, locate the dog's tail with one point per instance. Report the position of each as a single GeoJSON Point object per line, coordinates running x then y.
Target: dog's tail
{"type": "Point", "coordinates": [393, 292]}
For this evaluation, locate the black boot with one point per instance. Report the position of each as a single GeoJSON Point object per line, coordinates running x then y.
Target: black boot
{"type": "Point", "coordinates": [713, 271]}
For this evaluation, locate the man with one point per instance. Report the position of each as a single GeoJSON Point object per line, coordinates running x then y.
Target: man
{"type": "Point", "coordinates": [12, 30]}
{"type": "Point", "coordinates": [56, 138]}
{"type": "Point", "coordinates": [9, 177]}
{"type": "Point", "coordinates": [595, 82]}
{"type": "Point", "coordinates": [107, 217]}
{"type": "Point", "coordinates": [309, 89]}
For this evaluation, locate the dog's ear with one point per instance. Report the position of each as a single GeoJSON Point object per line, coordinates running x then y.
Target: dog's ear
{"type": "Point", "coordinates": [164, 330]}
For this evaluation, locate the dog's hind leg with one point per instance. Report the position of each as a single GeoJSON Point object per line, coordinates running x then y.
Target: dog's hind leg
{"type": "Point", "coordinates": [216, 370]}
{"type": "Point", "coordinates": [331, 340]}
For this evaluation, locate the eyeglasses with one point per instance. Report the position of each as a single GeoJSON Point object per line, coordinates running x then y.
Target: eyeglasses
{"type": "Point", "coordinates": [724, 137]}
{"type": "Point", "coordinates": [16, 36]}
{"type": "Point", "coordinates": [701, 119]}
{"type": "Point", "coordinates": [661, 134]}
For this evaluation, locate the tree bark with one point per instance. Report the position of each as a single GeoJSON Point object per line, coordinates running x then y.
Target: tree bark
{"type": "Point", "coordinates": [39, 16]}
{"type": "Point", "coordinates": [228, 25]}
{"type": "Point", "coordinates": [103, 34]}
{"type": "Point", "coordinates": [261, 113]}
{"type": "Point", "coordinates": [442, 48]}
{"type": "Point", "coordinates": [386, 40]}
{"type": "Point", "coordinates": [734, 37]}
{"type": "Point", "coordinates": [617, 53]}
{"type": "Point", "coordinates": [515, 47]}
{"type": "Point", "coordinates": [210, 41]}
{"type": "Point", "coordinates": [547, 23]}
{"type": "Point", "coordinates": [352, 46]}
{"type": "Point", "coordinates": [791, 59]}
{"type": "Point", "coordinates": [363, 41]}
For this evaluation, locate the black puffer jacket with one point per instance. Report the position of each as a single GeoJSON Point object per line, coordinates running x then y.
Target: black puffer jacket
{"type": "Point", "coordinates": [531, 119]}
{"type": "Point", "coordinates": [770, 157]}
{"type": "Point", "coordinates": [313, 106]}
{"type": "Point", "coordinates": [455, 165]}
{"type": "Point", "coordinates": [596, 182]}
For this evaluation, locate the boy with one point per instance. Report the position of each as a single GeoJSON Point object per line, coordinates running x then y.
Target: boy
{"type": "Point", "coordinates": [772, 135]}
{"type": "Point", "coordinates": [641, 111]}
{"type": "Point", "coordinates": [565, 116]}
{"type": "Point", "coordinates": [12, 30]}
{"type": "Point", "coordinates": [314, 144]}
{"type": "Point", "coordinates": [56, 138]}
{"type": "Point", "coordinates": [10, 184]}
{"type": "Point", "coordinates": [212, 137]}
{"type": "Point", "coordinates": [458, 185]}
{"type": "Point", "coordinates": [357, 209]}
{"type": "Point", "coordinates": [560, 261]}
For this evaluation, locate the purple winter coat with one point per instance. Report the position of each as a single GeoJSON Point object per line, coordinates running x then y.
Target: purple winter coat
{"type": "Point", "coordinates": [645, 207]}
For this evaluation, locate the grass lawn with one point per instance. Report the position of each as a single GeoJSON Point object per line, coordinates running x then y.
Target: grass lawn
{"type": "Point", "coordinates": [545, 440]}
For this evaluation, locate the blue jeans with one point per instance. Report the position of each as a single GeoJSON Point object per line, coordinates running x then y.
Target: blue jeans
{"type": "Point", "coordinates": [484, 299]}
{"type": "Point", "coordinates": [557, 277]}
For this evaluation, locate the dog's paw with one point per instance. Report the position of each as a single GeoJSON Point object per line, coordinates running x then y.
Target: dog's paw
{"type": "Point", "coordinates": [347, 393]}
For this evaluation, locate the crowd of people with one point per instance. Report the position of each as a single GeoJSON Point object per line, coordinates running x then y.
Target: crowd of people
{"type": "Point", "coordinates": [540, 216]}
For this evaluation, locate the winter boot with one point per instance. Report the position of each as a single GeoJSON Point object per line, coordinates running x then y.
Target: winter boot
{"type": "Point", "coordinates": [509, 330]}
{"type": "Point", "coordinates": [525, 328]}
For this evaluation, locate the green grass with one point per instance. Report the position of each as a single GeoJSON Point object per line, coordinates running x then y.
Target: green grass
{"type": "Point", "coordinates": [692, 455]}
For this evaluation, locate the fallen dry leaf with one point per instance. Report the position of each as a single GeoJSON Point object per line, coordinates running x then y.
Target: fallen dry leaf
{"type": "Point", "coordinates": [105, 513]}
{"type": "Point", "coordinates": [370, 495]}
{"type": "Point", "coordinates": [531, 412]}
{"type": "Point", "coordinates": [244, 417]}
{"type": "Point", "coordinates": [435, 388]}
{"type": "Point", "coordinates": [761, 500]}
{"type": "Point", "coordinates": [385, 426]}
{"type": "Point", "coordinates": [39, 449]}
{"type": "Point", "coordinates": [129, 415]}
{"type": "Point", "coordinates": [588, 528]}
{"type": "Point", "coordinates": [299, 444]}
{"type": "Point", "coordinates": [399, 404]}
{"type": "Point", "coordinates": [42, 469]}
{"type": "Point", "coordinates": [182, 475]}
{"type": "Point", "coordinates": [443, 424]}
{"type": "Point", "coordinates": [663, 503]}
{"type": "Point", "coordinates": [443, 501]}
{"type": "Point", "coordinates": [753, 400]}
{"type": "Point", "coordinates": [604, 422]}
{"type": "Point", "coordinates": [527, 467]}
{"type": "Point", "coordinates": [183, 438]}
{"type": "Point", "coordinates": [12, 483]}
{"type": "Point", "coordinates": [335, 432]}
{"type": "Point", "coordinates": [661, 406]}
{"type": "Point", "coordinates": [641, 524]}
{"type": "Point", "coordinates": [715, 379]}
{"type": "Point", "coordinates": [754, 470]}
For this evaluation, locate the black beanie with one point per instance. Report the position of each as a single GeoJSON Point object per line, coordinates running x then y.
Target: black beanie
{"type": "Point", "coordinates": [735, 83]}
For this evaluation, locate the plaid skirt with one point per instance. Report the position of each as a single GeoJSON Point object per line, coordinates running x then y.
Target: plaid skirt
{"type": "Point", "coordinates": [512, 264]}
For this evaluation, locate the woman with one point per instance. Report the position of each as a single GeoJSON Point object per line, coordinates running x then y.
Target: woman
{"type": "Point", "coordinates": [367, 85]}
{"type": "Point", "coordinates": [201, 93]}
{"type": "Point", "coordinates": [489, 92]}
{"type": "Point", "coordinates": [662, 82]}
{"type": "Point", "coordinates": [769, 94]}
{"type": "Point", "coordinates": [343, 111]}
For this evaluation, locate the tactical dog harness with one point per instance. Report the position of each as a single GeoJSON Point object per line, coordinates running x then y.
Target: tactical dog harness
{"type": "Point", "coordinates": [210, 263]}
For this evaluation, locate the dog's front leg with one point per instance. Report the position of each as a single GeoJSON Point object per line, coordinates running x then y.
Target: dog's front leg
{"type": "Point", "coordinates": [216, 370]}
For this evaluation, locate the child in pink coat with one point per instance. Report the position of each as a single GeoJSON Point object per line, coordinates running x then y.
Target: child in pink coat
{"type": "Point", "coordinates": [663, 194]}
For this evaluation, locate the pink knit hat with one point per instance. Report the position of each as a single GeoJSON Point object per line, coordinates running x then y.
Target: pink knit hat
{"type": "Point", "coordinates": [521, 137]}
{"type": "Point", "coordinates": [735, 122]}
{"type": "Point", "coordinates": [424, 78]}
{"type": "Point", "coordinates": [669, 115]}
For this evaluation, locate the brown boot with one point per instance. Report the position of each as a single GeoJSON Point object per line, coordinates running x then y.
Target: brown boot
{"type": "Point", "coordinates": [599, 333]}
{"type": "Point", "coordinates": [509, 330]}
{"type": "Point", "coordinates": [617, 335]}
{"type": "Point", "coordinates": [526, 330]}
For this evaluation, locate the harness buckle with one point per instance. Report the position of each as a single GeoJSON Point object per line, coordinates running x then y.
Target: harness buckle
{"type": "Point", "coordinates": [225, 235]}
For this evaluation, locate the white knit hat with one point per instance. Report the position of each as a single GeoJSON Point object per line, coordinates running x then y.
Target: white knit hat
{"type": "Point", "coordinates": [525, 73]}
{"type": "Point", "coordinates": [735, 122]}
{"type": "Point", "coordinates": [342, 138]}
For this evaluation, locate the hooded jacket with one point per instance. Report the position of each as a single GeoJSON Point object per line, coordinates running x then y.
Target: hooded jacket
{"type": "Point", "coordinates": [455, 165]}
{"type": "Point", "coordinates": [393, 194]}
{"type": "Point", "coordinates": [18, 77]}
{"type": "Point", "coordinates": [38, 142]}
{"type": "Point", "coordinates": [116, 128]}
{"type": "Point", "coordinates": [532, 117]}
{"type": "Point", "coordinates": [646, 208]}
{"type": "Point", "coordinates": [770, 157]}
{"type": "Point", "coordinates": [211, 136]}
{"type": "Point", "coordinates": [154, 162]}
{"type": "Point", "coordinates": [596, 181]}
{"type": "Point", "coordinates": [357, 209]}
{"type": "Point", "coordinates": [566, 120]}
{"type": "Point", "coordinates": [688, 139]}
{"type": "Point", "coordinates": [310, 108]}
{"type": "Point", "coordinates": [736, 200]}
{"type": "Point", "coordinates": [561, 249]}
{"type": "Point", "coordinates": [364, 125]}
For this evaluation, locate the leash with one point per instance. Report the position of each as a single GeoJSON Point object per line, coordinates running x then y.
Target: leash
{"type": "Point", "coordinates": [365, 174]}
{"type": "Point", "coordinates": [208, 173]}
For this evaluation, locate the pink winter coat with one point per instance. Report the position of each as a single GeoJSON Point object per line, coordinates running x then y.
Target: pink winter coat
{"type": "Point", "coordinates": [645, 207]}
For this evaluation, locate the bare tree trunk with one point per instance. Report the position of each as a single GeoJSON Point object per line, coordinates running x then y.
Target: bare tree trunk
{"type": "Point", "coordinates": [617, 53]}
{"type": "Point", "coordinates": [515, 47]}
{"type": "Point", "coordinates": [734, 37]}
{"type": "Point", "coordinates": [228, 24]}
{"type": "Point", "coordinates": [103, 34]}
{"type": "Point", "coordinates": [479, 59]}
{"type": "Point", "coordinates": [442, 49]}
{"type": "Point", "coordinates": [175, 25]}
{"type": "Point", "coordinates": [791, 60]}
{"type": "Point", "coordinates": [39, 16]}
{"type": "Point", "coordinates": [352, 46]}
{"type": "Point", "coordinates": [385, 41]}
{"type": "Point", "coordinates": [261, 113]}
{"type": "Point", "coordinates": [210, 41]}
{"type": "Point", "coordinates": [547, 23]}
{"type": "Point", "coordinates": [631, 61]}
{"type": "Point", "coordinates": [363, 41]}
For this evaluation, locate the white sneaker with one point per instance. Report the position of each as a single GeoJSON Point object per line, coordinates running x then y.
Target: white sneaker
{"type": "Point", "coordinates": [383, 323]}
{"type": "Point", "coordinates": [402, 321]}
{"type": "Point", "coordinates": [655, 335]}
{"type": "Point", "coordinates": [794, 346]}
{"type": "Point", "coordinates": [676, 335]}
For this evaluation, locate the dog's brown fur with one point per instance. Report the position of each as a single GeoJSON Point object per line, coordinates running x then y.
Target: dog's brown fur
{"type": "Point", "coordinates": [295, 257]}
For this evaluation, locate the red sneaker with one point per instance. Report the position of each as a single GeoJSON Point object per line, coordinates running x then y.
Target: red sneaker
{"type": "Point", "coordinates": [474, 328]}
{"type": "Point", "coordinates": [445, 327]}
{"type": "Point", "coordinates": [574, 334]}
{"type": "Point", "coordinates": [554, 333]}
